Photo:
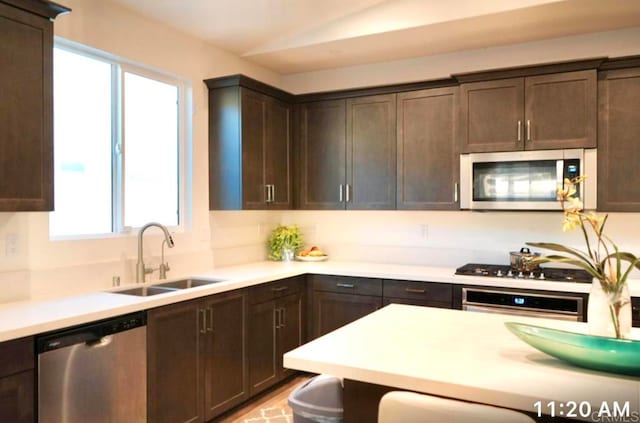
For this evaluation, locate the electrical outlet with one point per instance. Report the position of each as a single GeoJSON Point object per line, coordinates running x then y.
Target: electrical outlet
{"type": "Point", "coordinates": [424, 231]}
{"type": "Point", "coordinates": [11, 245]}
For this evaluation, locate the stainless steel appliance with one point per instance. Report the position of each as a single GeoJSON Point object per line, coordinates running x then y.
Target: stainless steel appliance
{"type": "Point", "coordinates": [94, 373]}
{"type": "Point", "coordinates": [525, 180]}
{"type": "Point", "coordinates": [564, 306]}
{"type": "Point", "coordinates": [520, 303]}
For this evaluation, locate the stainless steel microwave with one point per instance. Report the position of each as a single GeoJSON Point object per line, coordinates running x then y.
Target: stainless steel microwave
{"type": "Point", "coordinates": [525, 180]}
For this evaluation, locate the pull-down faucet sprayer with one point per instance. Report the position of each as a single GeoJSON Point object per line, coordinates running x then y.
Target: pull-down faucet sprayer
{"type": "Point", "coordinates": [141, 270]}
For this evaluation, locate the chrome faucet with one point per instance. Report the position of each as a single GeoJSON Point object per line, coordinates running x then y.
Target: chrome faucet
{"type": "Point", "coordinates": [141, 270]}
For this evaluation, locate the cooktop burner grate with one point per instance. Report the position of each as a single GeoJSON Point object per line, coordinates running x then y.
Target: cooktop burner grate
{"type": "Point", "coordinates": [545, 273]}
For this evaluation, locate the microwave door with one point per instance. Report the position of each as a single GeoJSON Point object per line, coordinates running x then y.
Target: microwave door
{"type": "Point", "coordinates": [526, 185]}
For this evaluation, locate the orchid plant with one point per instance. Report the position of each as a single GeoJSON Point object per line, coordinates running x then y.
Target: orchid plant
{"type": "Point", "coordinates": [602, 259]}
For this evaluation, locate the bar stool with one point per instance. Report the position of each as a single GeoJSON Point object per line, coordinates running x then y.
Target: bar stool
{"type": "Point", "coordinates": [410, 407]}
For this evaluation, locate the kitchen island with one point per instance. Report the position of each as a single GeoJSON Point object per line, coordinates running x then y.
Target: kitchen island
{"type": "Point", "coordinates": [457, 354]}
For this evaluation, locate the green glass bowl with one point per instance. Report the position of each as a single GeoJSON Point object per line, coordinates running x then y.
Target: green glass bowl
{"type": "Point", "coordinates": [592, 352]}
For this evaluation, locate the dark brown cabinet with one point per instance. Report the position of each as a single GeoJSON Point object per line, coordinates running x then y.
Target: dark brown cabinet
{"type": "Point", "coordinates": [338, 300]}
{"type": "Point", "coordinates": [635, 311]}
{"type": "Point", "coordinates": [197, 358]}
{"type": "Point", "coordinates": [249, 150]}
{"type": "Point", "coordinates": [619, 140]}
{"type": "Point", "coordinates": [348, 153]}
{"type": "Point", "coordinates": [275, 327]}
{"type": "Point", "coordinates": [427, 149]}
{"type": "Point", "coordinates": [542, 112]}
{"type": "Point", "coordinates": [427, 294]}
{"type": "Point", "coordinates": [17, 377]}
{"type": "Point", "coordinates": [26, 109]}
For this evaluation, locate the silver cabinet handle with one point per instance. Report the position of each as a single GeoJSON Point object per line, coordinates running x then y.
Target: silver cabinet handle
{"type": "Point", "coordinates": [528, 130]}
{"type": "Point", "coordinates": [519, 130]}
{"type": "Point", "coordinates": [455, 192]}
{"type": "Point", "coordinates": [279, 289]}
{"type": "Point", "coordinates": [267, 193]}
{"type": "Point", "coordinates": [348, 190]}
{"type": "Point", "coordinates": [276, 316]}
{"type": "Point", "coordinates": [340, 193]}
{"type": "Point", "coordinates": [273, 193]}
{"type": "Point", "coordinates": [203, 320]}
{"type": "Point", "coordinates": [345, 285]}
{"type": "Point", "coordinates": [414, 290]}
{"type": "Point", "coordinates": [210, 325]}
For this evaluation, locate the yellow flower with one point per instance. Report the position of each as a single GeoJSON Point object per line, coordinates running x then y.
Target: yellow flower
{"type": "Point", "coordinates": [571, 221]}
{"type": "Point", "coordinates": [595, 220]}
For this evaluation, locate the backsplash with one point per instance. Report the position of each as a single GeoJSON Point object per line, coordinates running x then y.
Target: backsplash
{"type": "Point", "coordinates": [432, 238]}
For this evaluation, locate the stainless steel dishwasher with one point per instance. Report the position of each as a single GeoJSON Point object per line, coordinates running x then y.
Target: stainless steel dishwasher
{"type": "Point", "coordinates": [96, 373]}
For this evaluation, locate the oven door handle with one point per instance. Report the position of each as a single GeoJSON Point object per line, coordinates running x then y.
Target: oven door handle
{"type": "Point", "coordinates": [520, 312]}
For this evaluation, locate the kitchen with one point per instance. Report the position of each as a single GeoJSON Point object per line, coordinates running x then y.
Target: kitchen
{"type": "Point", "coordinates": [39, 268]}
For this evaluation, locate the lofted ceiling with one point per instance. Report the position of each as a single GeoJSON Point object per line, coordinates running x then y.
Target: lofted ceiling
{"type": "Point", "coordinates": [291, 36]}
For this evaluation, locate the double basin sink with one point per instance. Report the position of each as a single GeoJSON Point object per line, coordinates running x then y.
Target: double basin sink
{"type": "Point", "coordinates": [163, 288]}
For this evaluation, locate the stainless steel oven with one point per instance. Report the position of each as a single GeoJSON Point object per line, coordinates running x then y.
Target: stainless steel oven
{"type": "Point", "coordinates": [525, 180]}
{"type": "Point", "coordinates": [563, 306]}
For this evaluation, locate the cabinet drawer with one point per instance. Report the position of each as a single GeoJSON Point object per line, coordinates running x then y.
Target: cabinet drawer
{"type": "Point", "coordinates": [412, 290]}
{"type": "Point", "coordinates": [635, 311]}
{"type": "Point", "coordinates": [351, 285]}
{"type": "Point", "coordinates": [276, 289]}
{"type": "Point", "coordinates": [16, 356]}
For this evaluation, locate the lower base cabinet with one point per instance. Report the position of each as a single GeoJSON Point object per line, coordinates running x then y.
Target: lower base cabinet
{"type": "Point", "coordinates": [338, 300]}
{"type": "Point", "coordinates": [17, 377]}
{"type": "Point", "coordinates": [197, 358]}
{"type": "Point", "coordinates": [635, 311]}
{"type": "Point", "coordinates": [275, 327]}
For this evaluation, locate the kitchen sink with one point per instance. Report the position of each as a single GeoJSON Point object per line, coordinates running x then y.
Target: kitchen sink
{"type": "Point", "coordinates": [186, 283]}
{"type": "Point", "coordinates": [145, 291]}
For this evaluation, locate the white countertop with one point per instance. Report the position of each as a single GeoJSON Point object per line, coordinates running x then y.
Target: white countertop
{"type": "Point", "coordinates": [451, 353]}
{"type": "Point", "coordinates": [24, 318]}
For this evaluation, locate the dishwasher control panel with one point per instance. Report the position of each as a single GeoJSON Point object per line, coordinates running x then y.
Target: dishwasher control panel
{"type": "Point", "coordinates": [90, 332]}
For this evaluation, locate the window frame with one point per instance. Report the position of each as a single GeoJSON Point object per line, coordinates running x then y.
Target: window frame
{"type": "Point", "coordinates": [119, 66]}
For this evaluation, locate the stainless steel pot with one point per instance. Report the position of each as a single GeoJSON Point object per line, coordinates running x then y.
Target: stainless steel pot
{"type": "Point", "coordinates": [521, 260]}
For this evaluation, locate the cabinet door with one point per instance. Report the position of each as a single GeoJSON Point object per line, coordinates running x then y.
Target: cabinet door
{"type": "Point", "coordinates": [289, 327]}
{"type": "Point", "coordinates": [428, 164]}
{"type": "Point", "coordinates": [491, 115]}
{"type": "Point", "coordinates": [17, 398]}
{"type": "Point", "coordinates": [226, 376]}
{"type": "Point", "coordinates": [635, 311]}
{"type": "Point", "coordinates": [619, 140]}
{"type": "Point", "coordinates": [277, 153]}
{"type": "Point", "coordinates": [263, 361]}
{"type": "Point", "coordinates": [174, 367]}
{"type": "Point", "coordinates": [322, 155]}
{"type": "Point", "coordinates": [26, 127]}
{"type": "Point", "coordinates": [331, 311]}
{"type": "Point", "coordinates": [371, 153]}
{"type": "Point", "coordinates": [253, 155]}
{"type": "Point", "coordinates": [561, 110]}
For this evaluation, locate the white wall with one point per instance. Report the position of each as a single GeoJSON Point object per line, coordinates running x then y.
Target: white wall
{"type": "Point", "coordinates": [40, 267]}
{"type": "Point", "coordinates": [602, 44]}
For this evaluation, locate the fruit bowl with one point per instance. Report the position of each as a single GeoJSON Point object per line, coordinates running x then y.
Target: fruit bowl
{"type": "Point", "coordinates": [312, 258]}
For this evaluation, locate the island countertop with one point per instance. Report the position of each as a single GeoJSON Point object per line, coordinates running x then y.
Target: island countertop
{"type": "Point", "coordinates": [458, 354]}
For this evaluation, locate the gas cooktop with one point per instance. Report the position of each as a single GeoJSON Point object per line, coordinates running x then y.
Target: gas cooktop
{"type": "Point", "coordinates": [545, 273]}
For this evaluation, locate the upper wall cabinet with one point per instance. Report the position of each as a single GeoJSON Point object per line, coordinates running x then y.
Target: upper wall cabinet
{"type": "Point", "coordinates": [544, 112]}
{"type": "Point", "coordinates": [619, 140]}
{"type": "Point", "coordinates": [348, 153]}
{"type": "Point", "coordinates": [26, 109]}
{"type": "Point", "coordinates": [249, 150]}
{"type": "Point", "coordinates": [428, 165]}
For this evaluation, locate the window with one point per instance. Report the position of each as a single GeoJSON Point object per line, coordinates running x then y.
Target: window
{"type": "Point", "coordinates": [117, 145]}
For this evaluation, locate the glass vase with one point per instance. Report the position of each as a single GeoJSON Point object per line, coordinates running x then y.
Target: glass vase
{"type": "Point", "coordinates": [609, 312]}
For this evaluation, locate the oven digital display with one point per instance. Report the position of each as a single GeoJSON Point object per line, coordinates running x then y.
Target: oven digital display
{"type": "Point", "coordinates": [518, 300]}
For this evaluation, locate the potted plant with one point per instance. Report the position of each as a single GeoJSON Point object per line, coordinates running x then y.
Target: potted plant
{"type": "Point", "coordinates": [283, 242]}
{"type": "Point", "coordinates": [609, 310]}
